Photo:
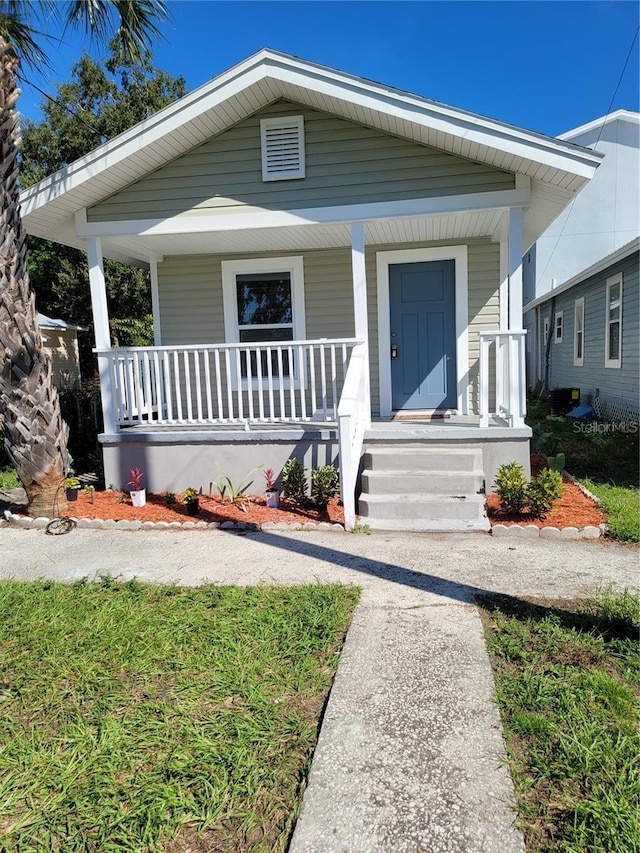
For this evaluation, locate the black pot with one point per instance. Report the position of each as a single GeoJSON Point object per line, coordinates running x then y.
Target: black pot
{"type": "Point", "coordinates": [193, 508]}
{"type": "Point", "coordinates": [72, 494]}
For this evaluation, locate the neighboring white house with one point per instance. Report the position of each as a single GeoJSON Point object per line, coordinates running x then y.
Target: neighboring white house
{"type": "Point", "coordinates": [604, 217]}
{"type": "Point", "coordinates": [333, 262]}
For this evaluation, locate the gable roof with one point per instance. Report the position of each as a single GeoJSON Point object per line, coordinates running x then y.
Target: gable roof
{"type": "Point", "coordinates": [558, 169]}
{"type": "Point", "coordinates": [598, 123]}
{"type": "Point", "coordinates": [608, 261]}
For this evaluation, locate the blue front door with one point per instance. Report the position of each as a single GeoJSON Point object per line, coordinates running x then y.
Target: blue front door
{"type": "Point", "coordinates": [423, 335]}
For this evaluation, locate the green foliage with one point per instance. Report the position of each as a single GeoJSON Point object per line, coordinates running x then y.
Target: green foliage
{"type": "Point", "coordinates": [557, 463]}
{"type": "Point", "coordinates": [543, 492]}
{"type": "Point", "coordinates": [622, 506]}
{"type": "Point", "coordinates": [134, 710]}
{"type": "Point", "coordinates": [234, 492]}
{"type": "Point", "coordinates": [8, 479]}
{"type": "Point", "coordinates": [325, 481]}
{"type": "Point", "coordinates": [71, 483]}
{"type": "Point", "coordinates": [294, 481]}
{"type": "Point", "coordinates": [169, 498]}
{"type": "Point", "coordinates": [511, 486]}
{"type": "Point", "coordinates": [98, 103]}
{"type": "Point", "coordinates": [566, 683]}
{"type": "Point", "coordinates": [190, 496]}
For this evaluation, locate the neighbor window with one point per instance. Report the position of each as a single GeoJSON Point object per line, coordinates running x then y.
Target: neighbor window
{"type": "Point", "coordinates": [264, 303]}
{"type": "Point", "coordinates": [558, 327]}
{"type": "Point", "coordinates": [578, 333]}
{"type": "Point", "coordinates": [282, 141]}
{"type": "Point", "coordinates": [545, 331]}
{"type": "Point", "coordinates": [613, 327]}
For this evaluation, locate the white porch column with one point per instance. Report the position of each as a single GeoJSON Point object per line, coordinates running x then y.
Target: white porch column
{"type": "Point", "coordinates": [101, 327]}
{"type": "Point", "coordinates": [515, 269]}
{"type": "Point", "coordinates": [517, 390]}
{"type": "Point", "coordinates": [360, 308]}
{"type": "Point", "coordinates": [155, 304]}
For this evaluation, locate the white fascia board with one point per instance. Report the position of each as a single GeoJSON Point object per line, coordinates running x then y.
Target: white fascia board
{"type": "Point", "coordinates": [596, 124]}
{"type": "Point", "coordinates": [333, 84]}
{"type": "Point", "coordinates": [309, 216]}
{"type": "Point", "coordinates": [619, 255]}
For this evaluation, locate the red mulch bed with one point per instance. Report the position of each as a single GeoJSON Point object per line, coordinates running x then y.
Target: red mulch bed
{"type": "Point", "coordinates": [109, 505]}
{"type": "Point", "coordinates": [574, 509]}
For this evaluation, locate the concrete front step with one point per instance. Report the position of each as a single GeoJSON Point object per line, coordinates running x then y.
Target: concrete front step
{"type": "Point", "coordinates": [428, 525]}
{"type": "Point", "coordinates": [389, 457]}
{"type": "Point", "coordinates": [418, 506]}
{"type": "Point", "coordinates": [431, 482]}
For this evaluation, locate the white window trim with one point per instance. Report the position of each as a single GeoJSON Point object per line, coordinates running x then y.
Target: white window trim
{"type": "Point", "coordinates": [546, 324]}
{"type": "Point", "coordinates": [577, 307]}
{"type": "Point", "coordinates": [292, 121]}
{"type": "Point", "coordinates": [294, 265]}
{"type": "Point", "coordinates": [612, 362]}
{"type": "Point", "coordinates": [558, 315]}
{"type": "Point", "coordinates": [384, 260]}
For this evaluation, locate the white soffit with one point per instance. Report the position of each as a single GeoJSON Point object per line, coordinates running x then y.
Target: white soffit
{"type": "Point", "coordinates": [268, 76]}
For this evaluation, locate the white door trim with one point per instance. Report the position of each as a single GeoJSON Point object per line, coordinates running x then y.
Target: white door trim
{"type": "Point", "coordinates": [384, 260]}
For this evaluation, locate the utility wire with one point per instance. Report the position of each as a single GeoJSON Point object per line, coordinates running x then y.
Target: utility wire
{"type": "Point", "coordinates": [68, 108]}
{"type": "Point", "coordinates": [604, 121]}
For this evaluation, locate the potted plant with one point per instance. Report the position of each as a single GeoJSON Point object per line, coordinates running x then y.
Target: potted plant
{"type": "Point", "coordinates": [138, 494]}
{"type": "Point", "coordinates": [191, 499]}
{"type": "Point", "coordinates": [271, 495]}
{"type": "Point", "coordinates": [72, 487]}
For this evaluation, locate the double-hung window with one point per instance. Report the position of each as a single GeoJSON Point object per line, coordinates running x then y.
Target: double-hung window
{"type": "Point", "coordinates": [613, 323]}
{"type": "Point", "coordinates": [558, 326]}
{"type": "Point", "coordinates": [578, 333]}
{"type": "Point", "coordinates": [264, 304]}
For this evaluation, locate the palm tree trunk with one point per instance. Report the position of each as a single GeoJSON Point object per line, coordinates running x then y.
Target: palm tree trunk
{"type": "Point", "coordinates": [35, 434]}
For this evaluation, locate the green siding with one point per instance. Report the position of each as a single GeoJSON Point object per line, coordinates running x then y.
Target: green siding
{"type": "Point", "coordinates": [191, 311]}
{"type": "Point", "coordinates": [346, 163]}
{"type": "Point", "coordinates": [614, 384]}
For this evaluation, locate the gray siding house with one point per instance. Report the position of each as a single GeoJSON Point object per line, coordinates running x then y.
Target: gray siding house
{"type": "Point", "coordinates": [336, 275]}
{"type": "Point", "coordinates": [589, 334]}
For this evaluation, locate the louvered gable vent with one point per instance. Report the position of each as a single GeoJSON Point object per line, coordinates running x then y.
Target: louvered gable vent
{"type": "Point", "coordinates": [282, 148]}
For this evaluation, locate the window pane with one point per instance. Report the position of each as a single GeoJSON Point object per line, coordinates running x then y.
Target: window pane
{"type": "Point", "coordinates": [264, 298]}
{"type": "Point", "coordinates": [264, 335]}
{"type": "Point", "coordinates": [614, 296]}
{"type": "Point", "coordinates": [579, 345]}
{"type": "Point", "coordinates": [614, 341]}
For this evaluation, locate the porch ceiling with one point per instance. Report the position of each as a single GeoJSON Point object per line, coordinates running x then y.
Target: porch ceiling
{"type": "Point", "coordinates": [479, 223]}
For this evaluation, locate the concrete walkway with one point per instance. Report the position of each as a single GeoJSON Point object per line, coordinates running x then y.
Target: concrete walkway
{"type": "Point", "coordinates": [410, 755]}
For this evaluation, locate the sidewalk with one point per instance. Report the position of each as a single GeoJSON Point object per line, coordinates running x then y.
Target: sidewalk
{"type": "Point", "coordinates": [410, 756]}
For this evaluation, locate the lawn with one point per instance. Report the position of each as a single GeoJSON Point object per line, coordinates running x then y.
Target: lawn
{"type": "Point", "coordinates": [135, 717]}
{"type": "Point", "coordinates": [568, 687]}
{"type": "Point", "coordinates": [622, 506]}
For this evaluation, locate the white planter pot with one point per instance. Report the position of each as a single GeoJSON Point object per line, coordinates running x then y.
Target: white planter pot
{"type": "Point", "coordinates": [272, 498]}
{"type": "Point", "coordinates": [139, 498]}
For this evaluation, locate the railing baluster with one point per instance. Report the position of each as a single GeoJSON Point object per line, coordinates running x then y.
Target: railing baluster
{"type": "Point", "coordinates": [196, 356]}
{"type": "Point", "coordinates": [293, 375]}
{"type": "Point", "coordinates": [158, 382]}
{"type": "Point", "coordinates": [176, 386]}
{"type": "Point", "coordinates": [303, 383]}
{"type": "Point", "coordinates": [239, 383]}
{"type": "Point", "coordinates": [323, 381]}
{"type": "Point", "coordinates": [227, 368]}
{"type": "Point", "coordinates": [148, 391]}
{"type": "Point", "coordinates": [137, 401]}
{"type": "Point", "coordinates": [281, 380]}
{"type": "Point", "coordinates": [207, 381]}
{"type": "Point", "coordinates": [312, 375]}
{"type": "Point", "coordinates": [187, 384]}
{"type": "Point", "coordinates": [272, 414]}
{"type": "Point", "coordinates": [218, 385]}
{"type": "Point", "coordinates": [334, 384]}
{"type": "Point", "coordinates": [166, 367]}
{"type": "Point", "coordinates": [249, 384]}
{"type": "Point", "coordinates": [260, 388]}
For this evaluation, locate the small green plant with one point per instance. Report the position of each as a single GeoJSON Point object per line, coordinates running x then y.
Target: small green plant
{"type": "Point", "coordinates": [234, 492]}
{"type": "Point", "coordinates": [543, 491]}
{"type": "Point", "coordinates": [169, 498]}
{"type": "Point", "coordinates": [90, 490]}
{"type": "Point", "coordinates": [72, 483]}
{"type": "Point", "coordinates": [361, 528]}
{"type": "Point", "coordinates": [557, 463]}
{"type": "Point", "coordinates": [294, 481]}
{"type": "Point", "coordinates": [121, 499]}
{"type": "Point", "coordinates": [324, 485]}
{"type": "Point", "coordinates": [190, 496]}
{"type": "Point", "coordinates": [511, 487]}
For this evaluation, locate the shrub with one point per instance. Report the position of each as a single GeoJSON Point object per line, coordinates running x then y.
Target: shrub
{"type": "Point", "coordinates": [543, 492]}
{"type": "Point", "coordinates": [324, 485]}
{"type": "Point", "coordinates": [511, 487]}
{"type": "Point", "coordinates": [294, 481]}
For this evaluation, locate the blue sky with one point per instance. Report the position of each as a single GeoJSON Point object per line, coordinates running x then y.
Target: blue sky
{"type": "Point", "coordinates": [548, 66]}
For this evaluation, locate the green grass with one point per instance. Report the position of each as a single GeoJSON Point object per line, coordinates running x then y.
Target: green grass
{"type": "Point", "coordinates": [622, 506]}
{"type": "Point", "coordinates": [133, 717]}
{"type": "Point", "coordinates": [568, 688]}
{"type": "Point", "coordinates": [8, 479]}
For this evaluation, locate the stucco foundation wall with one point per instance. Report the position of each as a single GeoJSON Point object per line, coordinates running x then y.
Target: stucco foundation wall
{"type": "Point", "coordinates": [173, 463]}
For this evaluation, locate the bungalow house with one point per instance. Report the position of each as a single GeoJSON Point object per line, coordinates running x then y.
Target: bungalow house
{"type": "Point", "coordinates": [60, 340]}
{"type": "Point", "coordinates": [589, 335]}
{"type": "Point", "coordinates": [336, 275]}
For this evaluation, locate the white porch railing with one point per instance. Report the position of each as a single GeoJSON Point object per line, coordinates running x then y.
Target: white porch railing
{"type": "Point", "coordinates": [502, 377]}
{"type": "Point", "coordinates": [354, 417]}
{"type": "Point", "coordinates": [233, 384]}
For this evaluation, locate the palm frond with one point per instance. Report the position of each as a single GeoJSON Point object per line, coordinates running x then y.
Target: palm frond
{"type": "Point", "coordinates": [134, 22]}
{"type": "Point", "coordinates": [19, 27]}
